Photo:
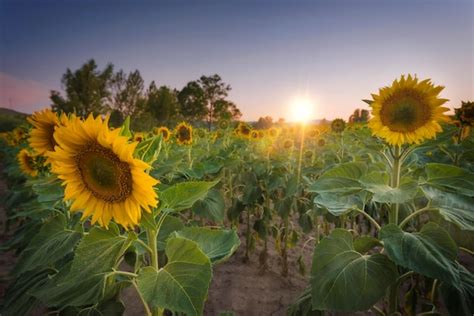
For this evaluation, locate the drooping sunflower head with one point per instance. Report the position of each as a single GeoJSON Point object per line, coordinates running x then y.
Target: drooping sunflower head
{"type": "Point", "coordinates": [273, 132]}
{"type": "Point", "coordinates": [164, 131]}
{"type": "Point", "coordinates": [465, 114]}
{"type": "Point", "coordinates": [313, 132]}
{"type": "Point", "coordinates": [201, 133]}
{"type": "Point", "coordinates": [26, 161]}
{"type": "Point", "coordinates": [100, 174]}
{"type": "Point", "coordinates": [184, 133]}
{"type": "Point", "coordinates": [41, 136]}
{"type": "Point", "coordinates": [288, 143]}
{"type": "Point", "coordinates": [254, 135]}
{"type": "Point", "coordinates": [321, 142]}
{"type": "Point", "coordinates": [407, 112]}
{"type": "Point", "coordinates": [138, 137]}
{"type": "Point", "coordinates": [224, 124]}
{"type": "Point", "coordinates": [243, 129]}
{"type": "Point", "coordinates": [338, 125]}
{"type": "Point", "coordinates": [308, 154]}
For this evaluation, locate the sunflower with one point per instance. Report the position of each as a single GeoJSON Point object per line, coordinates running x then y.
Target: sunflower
{"type": "Point", "coordinates": [338, 125]}
{"type": "Point", "coordinates": [27, 163]}
{"type": "Point", "coordinates": [164, 131]}
{"type": "Point", "coordinates": [243, 129]}
{"type": "Point", "coordinates": [201, 133]}
{"type": "Point", "coordinates": [138, 137]}
{"type": "Point", "coordinates": [224, 124]}
{"type": "Point", "coordinates": [254, 135]}
{"type": "Point", "coordinates": [313, 132]}
{"type": "Point", "coordinates": [321, 142]}
{"type": "Point", "coordinates": [184, 133]}
{"type": "Point", "coordinates": [101, 176]}
{"type": "Point", "coordinates": [408, 112]}
{"type": "Point", "coordinates": [287, 144]}
{"type": "Point", "coordinates": [273, 132]}
{"type": "Point", "coordinates": [41, 136]}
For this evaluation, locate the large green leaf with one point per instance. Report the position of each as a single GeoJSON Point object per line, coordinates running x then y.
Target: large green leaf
{"type": "Point", "coordinates": [431, 252]}
{"type": "Point", "coordinates": [183, 195]}
{"type": "Point", "coordinates": [459, 300]}
{"type": "Point", "coordinates": [341, 186]}
{"type": "Point", "coordinates": [84, 281]}
{"type": "Point", "coordinates": [217, 244]}
{"type": "Point", "coordinates": [52, 243]}
{"type": "Point", "coordinates": [336, 204]}
{"type": "Point", "coordinates": [149, 149]}
{"type": "Point", "coordinates": [348, 170]}
{"type": "Point", "coordinates": [377, 183]}
{"type": "Point", "coordinates": [343, 279]}
{"type": "Point", "coordinates": [182, 284]}
{"type": "Point", "coordinates": [451, 178]}
{"type": "Point", "coordinates": [211, 207]}
{"type": "Point", "coordinates": [455, 208]}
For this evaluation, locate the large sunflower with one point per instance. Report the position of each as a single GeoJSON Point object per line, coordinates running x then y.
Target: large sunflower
{"type": "Point", "coordinates": [243, 129]}
{"type": "Point", "coordinates": [184, 133]}
{"type": "Point", "coordinates": [408, 112]}
{"type": "Point", "coordinates": [100, 173]}
{"type": "Point", "coordinates": [27, 163]}
{"type": "Point", "coordinates": [41, 136]}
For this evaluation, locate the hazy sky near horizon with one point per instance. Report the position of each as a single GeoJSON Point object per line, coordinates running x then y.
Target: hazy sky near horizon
{"type": "Point", "coordinates": [335, 52]}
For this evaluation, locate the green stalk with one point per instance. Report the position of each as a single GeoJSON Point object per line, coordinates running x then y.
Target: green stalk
{"type": "Point", "coordinates": [152, 236]}
{"type": "Point", "coordinates": [394, 183]}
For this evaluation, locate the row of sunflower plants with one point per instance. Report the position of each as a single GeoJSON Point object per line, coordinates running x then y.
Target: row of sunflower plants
{"type": "Point", "coordinates": [93, 219]}
{"type": "Point", "coordinates": [418, 195]}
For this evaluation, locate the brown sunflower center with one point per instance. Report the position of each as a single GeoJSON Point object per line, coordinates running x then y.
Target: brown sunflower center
{"type": "Point", "coordinates": [184, 133]}
{"type": "Point", "coordinates": [104, 174]}
{"type": "Point", "coordinates": [405, 111]}
{"type": "Point", "coordinates": [164, 133]}
{"type": "Point", "coordinates": [51, 140]}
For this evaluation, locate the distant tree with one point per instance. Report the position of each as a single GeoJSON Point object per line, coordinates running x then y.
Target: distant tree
{"type": "Point", "coordinates": [127, 93]}
{"type": "Point", "coordinates": [116, 118]}
{"type": "Point", "coordinates": [359, 116]}
{"type": "Point", "coordinates": [226, 110]}
{"type": "Point", "coordinates": [264, 122]}
{"type": "Point", "coordinates": [192, 103]}
{"type": "Point", "coordinates": [215, 90]}
{"type": "Point", "coordinates": [86, 90]}
{"type": "Point", "coordinates": [162, 102]}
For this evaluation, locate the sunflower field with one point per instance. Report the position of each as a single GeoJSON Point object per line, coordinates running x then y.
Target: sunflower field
{"type": "Point", "coordinates": [386, 206]}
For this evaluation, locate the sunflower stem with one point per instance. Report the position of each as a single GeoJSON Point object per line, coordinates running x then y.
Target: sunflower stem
{"type": "Point", "coordinates": [395, 182]}
{"type": "Point", "coordinates": [152, 235]}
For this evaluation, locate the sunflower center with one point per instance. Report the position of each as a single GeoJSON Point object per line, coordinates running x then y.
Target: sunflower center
{"type": "Point", "coordinates": [405, 111]}
{"type": "Point", "coordinates": [184, 133]}
{"type": "Point", "coordinates": [51, 140]}
{"type": "Point", "coordinates": [104, 174]}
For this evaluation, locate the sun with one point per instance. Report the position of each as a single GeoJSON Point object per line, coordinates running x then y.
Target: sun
{"type": "Point", "coordinates": [301, 109]}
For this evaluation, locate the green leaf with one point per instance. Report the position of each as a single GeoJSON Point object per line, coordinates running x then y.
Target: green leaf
{"type": "Point", "coordinates": [341, 186]}
{"type": "Point", "coordinates": [348, 170]}
{"type": "Point", "coordinates": [459, 300]}
{"type": "Point", "coordinates": [125, 129]}
{"type": "Point", "coordinates": [217, 244]}
{"type": "Point", "coordinates": [182, 284]}
{"type": "Point", "coordinates": [363, 244]}
{"type": "Point", "coordinates": [170, 225]}
{"type": "Point", "coordinates": [336, 204]}
{"type": "Point", "coordinates": [48, 190]}
{"type": "Point", "coordinates": [183, 195]}
{"type": "Point", "coordinates": [52, 243]}
{"type": "Point", "coordinates": [451, 178]}
{"type": "Point", "coordinates": [211, 207]}
{"type": "Point", "coordinates": [431, 252]}
{"type": "Point", "coordinates": [84, 280]}
{"type": "Point", "coordinates": [343, 279]}
{"type": "Point", "coordinates": [18, 299]}
{"type": "Point", "coordinates": [455, 208]}
{"type": "Point", "coordinates": [149, 149]}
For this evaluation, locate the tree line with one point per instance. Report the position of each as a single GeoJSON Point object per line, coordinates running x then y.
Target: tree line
{"type": "Point", "coordinates": [99, 91]}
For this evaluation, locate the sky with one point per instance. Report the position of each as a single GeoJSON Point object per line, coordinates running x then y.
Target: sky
{"type": "Point", "coordinates": [333, 52]}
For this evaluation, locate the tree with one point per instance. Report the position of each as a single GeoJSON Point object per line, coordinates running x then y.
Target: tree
{"type": "Point", "coordinates": [162, 102]}
{"type": "Point", "coordinates": [86, 90]}
{"type": "Point", "coordinates": [214, 90]}
{"type": "Point", "coordinates": [264, 122]}
{"type": "Point", "coordinates": [226, 110]}
{"type": "Point", "coordinates": [192, 103]}
{"type": "Point", "coordinates": [359, 116]}
{"type": "Point", "coordinates": [127, 93]}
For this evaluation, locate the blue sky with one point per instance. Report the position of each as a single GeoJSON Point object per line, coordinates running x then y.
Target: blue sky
{"type": "Point", "coordinates": [336, 52]}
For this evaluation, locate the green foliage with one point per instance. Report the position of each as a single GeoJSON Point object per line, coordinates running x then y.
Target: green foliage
{"type": "Point", "coordinates": [343, 279]}
{"type": "Point", "coordinates": [182, 284]}
{"type": "Point", "coordinates": [182, 196]}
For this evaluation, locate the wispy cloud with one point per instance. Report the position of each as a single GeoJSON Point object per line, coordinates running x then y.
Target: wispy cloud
{"type": "Point", "coordinates": [23, 95]}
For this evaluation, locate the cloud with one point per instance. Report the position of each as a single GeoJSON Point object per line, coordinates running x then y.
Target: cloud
{"type": "Point", "coordinates": [22, 95]}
